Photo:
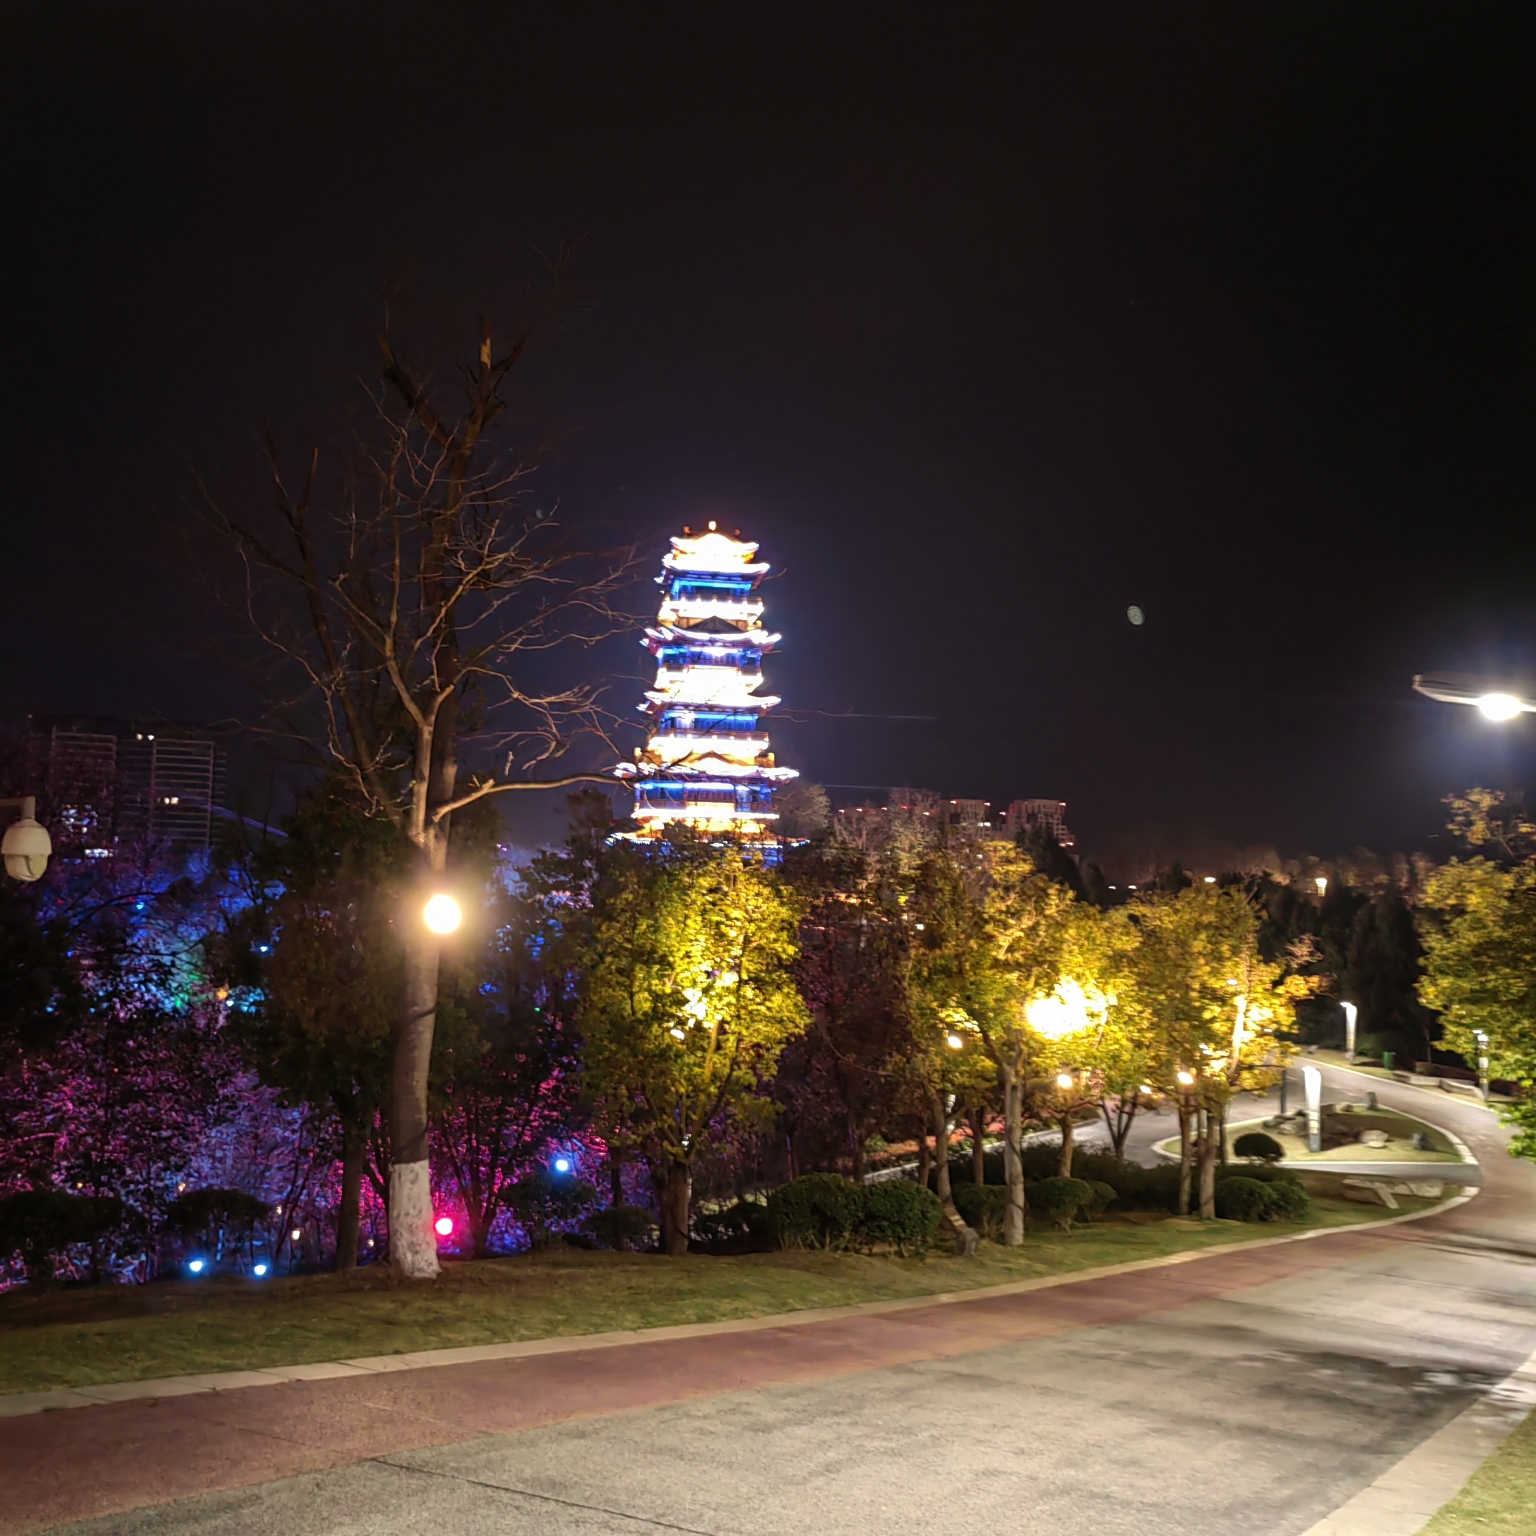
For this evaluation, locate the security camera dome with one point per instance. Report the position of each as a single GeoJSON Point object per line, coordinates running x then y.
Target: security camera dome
{"type": "Point", "coordinates": [26, 848]}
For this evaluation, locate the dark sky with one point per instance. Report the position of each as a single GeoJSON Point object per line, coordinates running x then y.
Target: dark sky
{"type": "Point", "coordinates": [987, 321]}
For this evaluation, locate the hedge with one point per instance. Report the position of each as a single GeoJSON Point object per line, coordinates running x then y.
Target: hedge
{"type": "Point", "coordinates": [825, 1210]}
{"type": "Point", "coordinates": [1060, 1199]}
{"type": "Point", "coordinates": [1240, 1197]}
{"type": "Point", "coordinates": [1257, 1145]}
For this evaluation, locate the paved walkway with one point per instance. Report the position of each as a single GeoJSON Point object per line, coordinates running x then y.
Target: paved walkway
{"type": "Point", "coordinates": [1242, 1393]}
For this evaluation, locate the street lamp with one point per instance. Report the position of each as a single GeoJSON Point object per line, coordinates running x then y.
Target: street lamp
{"type": "Point", "coordinates": [441, 914]}
{"type": "Point", "coordinates": [1351, 1013]}
{"type": "Point", "coordinates": [1495, 698]}
{"type": "Point", "coordinates": [26, 844]}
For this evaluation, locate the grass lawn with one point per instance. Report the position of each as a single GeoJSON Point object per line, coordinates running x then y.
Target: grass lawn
{"type": "Point", "coordinates": [87, 1335]}
{"type": "Point", "coordinates": [1500, 1499]}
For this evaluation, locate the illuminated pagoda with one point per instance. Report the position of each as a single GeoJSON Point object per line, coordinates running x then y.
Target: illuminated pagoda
{"type": "Point", "coordinates": [707, 761]}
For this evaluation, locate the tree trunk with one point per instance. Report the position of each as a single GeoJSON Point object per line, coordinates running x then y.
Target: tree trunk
{"type": "Point", "coordinates": [676, 1200]}
{"type": "Point", "coordinates": [966, 1237]}
{"type": "Point", "coordinates": [1013, 1158]}
{"type": "Point", "coordinates": [978, 1152]}
{"type": "Point", "coordinates": [856, 1148]}
{"type": "Point", "coordinates": [1120, 1124]}
{"type": "Point", "coordinates": [349, 1217]}
{"type": "Point", "coordinates": [1064, 1165]}
{"type": "Point", "coordinates": [1209, 1144]}
{"type": "Point", "coordinates": [1185, 1158]}
{"type": "Point", "coordinates": [616, 1196]}
{"type": "Point", "coordinates": [924, 1161]}
{"type": "Point", "coordinates": [412, 1242]}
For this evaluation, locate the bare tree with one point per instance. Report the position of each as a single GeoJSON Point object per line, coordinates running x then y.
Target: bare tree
{"type": "Point", "coordinates": [411, 612]}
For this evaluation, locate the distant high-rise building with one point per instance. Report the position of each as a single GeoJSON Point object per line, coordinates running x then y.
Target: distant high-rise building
{"type": "Point", "coordinates": [1048, 816]}
{"type": "Point", "coordinates": [969, 816]}
{"type": "Point", "coordinates": [106, 781]}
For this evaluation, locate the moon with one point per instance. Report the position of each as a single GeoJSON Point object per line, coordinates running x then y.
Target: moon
{"type": "Point", "coordinates": [1135, 615]}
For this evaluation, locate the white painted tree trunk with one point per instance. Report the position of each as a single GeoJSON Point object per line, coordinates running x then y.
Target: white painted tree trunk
{"type": "Point", "coordinates": [412, 1242]}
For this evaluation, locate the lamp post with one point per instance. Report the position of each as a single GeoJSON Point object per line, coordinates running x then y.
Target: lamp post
{"type": "Point", "coordinates": [1495, 698]}
{"type": "Point", "coordinates": [26, 844]}
{"type": "Point", "coordinates": [1351, 1013]}
{"type": "Point", "coordinates": [1481, 1036]}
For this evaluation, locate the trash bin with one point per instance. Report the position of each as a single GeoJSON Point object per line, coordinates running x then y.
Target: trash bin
{"type": "Point", "coordinates": [1389, 1060]}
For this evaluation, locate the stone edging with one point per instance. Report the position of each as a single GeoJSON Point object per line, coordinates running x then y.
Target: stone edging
{"type": "Point", "coordinates": [18, 1404]}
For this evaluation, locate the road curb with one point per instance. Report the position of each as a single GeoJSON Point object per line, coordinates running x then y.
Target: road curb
{"type": "Point", "coordinates": [20, 1404]}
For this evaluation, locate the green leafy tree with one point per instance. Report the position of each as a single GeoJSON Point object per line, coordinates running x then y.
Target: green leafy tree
{"type": "Point", "coordinates": [989, 935]}
{"type": "Point", "coordinates": [686, 998]}
{"type": "Point", "coordinates": [1214, 1010]}
{"type": "Point", "coordinates": [1479, 933]}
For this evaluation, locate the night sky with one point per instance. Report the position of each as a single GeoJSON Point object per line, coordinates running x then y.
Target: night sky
{"type": "Point", "coordinates": [987, 322]}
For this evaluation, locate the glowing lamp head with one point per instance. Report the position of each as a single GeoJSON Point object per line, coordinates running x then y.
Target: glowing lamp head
{"type": "Point", "coordinates": [1499, 706]}
{"type": "Point", "coordinates": [443, 1226]}
{"type": "Point", "coordinates": [296, 1234]}
{"type": "Point", "coordinates": [441, 914]}
{"type": "Point", "coordinates": [196, 1266]}
{"type": "Point", "coordinates": [562, 1165]}
{"type": "Point", "coordinates": [259, 1270]}
{"type": "Point", "coordinates": [1063, 1079]}
{"type": "Point", "coordinates": [1186, 1079]}
{"type": "Point", "coordinates": [954, 1041]}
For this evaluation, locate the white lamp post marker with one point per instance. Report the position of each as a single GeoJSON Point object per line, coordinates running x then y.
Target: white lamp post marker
{"type": "Point", "coordinates": [1312, 1083]}
{"type": "Point", "coordinates": [1351, 1013]}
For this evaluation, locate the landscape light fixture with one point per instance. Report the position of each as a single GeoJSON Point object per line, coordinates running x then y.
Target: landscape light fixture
{"type": "Point", "coordinates": [196, 1266]}
{"type": "Point", "coordinates": [1186, 1079]}
{"type": "Point", "coordinates": [1495, 698]}
{"type": "Point", "coordinates": [562, 1165]}
{"type": "Point", "coordinates": [1351, 1013]}
{"type": "Point", "coordinates": [1321, 882]}
{"type": "Point", "coordinates": [297, 1234]}
{"type": "Point", "coordinates": [1481, 1036]}
{"type": "Point", "coordinates": [954, 1041]}
{"type": "Point", "coordinates": [259, 1270]}
{"type": "Point", "coordinates": [441, 914]}
{"type": "Point", "coordinates": [443, 1226]}
{"type": "Point", "coordinates": [1063, 1079]}
{"type": "Point", "coordinates": [26, 844]}
{"type": "Point", "coordinates": [1312, 1086]}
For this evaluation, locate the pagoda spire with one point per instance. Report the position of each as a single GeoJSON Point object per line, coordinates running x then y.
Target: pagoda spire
{"type": "Point", "coordinates": [707, 761]}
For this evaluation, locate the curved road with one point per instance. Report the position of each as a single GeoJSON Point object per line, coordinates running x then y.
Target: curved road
{"type": "Point", "coordinates": [1237, 1395]}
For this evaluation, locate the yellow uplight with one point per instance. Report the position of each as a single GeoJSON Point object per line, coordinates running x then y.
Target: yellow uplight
{"type": "Point", "coordinates": [1069, 1010]}
{"type": "Point", "coordinates": [441, 914]}
{"type": "Point", "coordinates": [1063, 1079]}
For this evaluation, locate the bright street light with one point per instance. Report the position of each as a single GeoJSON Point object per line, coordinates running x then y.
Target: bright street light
{"type": "Point", "coordinates": [441, 914]}
{"type": "Point", "coordinates": [1495, 698]}
{"type": "Point", "coordinates": [954, 1042]}
{"type": "Point", "coordinates": [1063, 1079]}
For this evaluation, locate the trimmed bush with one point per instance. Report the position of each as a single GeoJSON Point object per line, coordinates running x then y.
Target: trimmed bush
{"type": "Point", "coordinates": [620, 1226]}
{"type": "Point", "coordinates": [1242, 1199]}
{"type": "Point", "coordinates": [204, 1213]}
{"type": "Point", "coordinates": [1059, 1199]}
{"type": "Point", "coordinates": [40, 1224]}
{"type": "Point", "coordinates": [984, 1207]}
{"type": "Point", "coordinates": [902, 1214]}
{"type": "Point", "coordinates": [743, 1225]}
{"type": "Point", "coordinates": [1288, 1201]}
{"type": "Point", "coordinates": [817, 1210]}
{"type": "Point", "coordinates": [1259, 1147]}
{"type": "Point", "coordinates": [1104, 1196]}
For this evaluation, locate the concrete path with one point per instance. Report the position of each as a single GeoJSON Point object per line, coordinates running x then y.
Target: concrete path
{"type": "Point", "coordinates": [1242, 1393]}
